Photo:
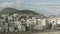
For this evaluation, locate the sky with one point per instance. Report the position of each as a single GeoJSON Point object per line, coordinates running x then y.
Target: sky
{"type": "Point", "coordinates": [46, 7]}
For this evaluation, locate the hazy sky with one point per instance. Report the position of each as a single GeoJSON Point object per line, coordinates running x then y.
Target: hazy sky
{"type": "Point", "coordinates": [46, 7]}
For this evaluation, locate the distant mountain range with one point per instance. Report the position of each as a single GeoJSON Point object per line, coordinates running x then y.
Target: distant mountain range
{"type": "Point", "coordinates": [9, 10]}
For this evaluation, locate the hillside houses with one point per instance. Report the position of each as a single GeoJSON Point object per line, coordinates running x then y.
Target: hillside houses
{"type": "Point", "coordinates": [23, 22]}
{"type": "Point", "coordinates": [55, 21]}
{"type": "Point", "coordinates": [41, 23]}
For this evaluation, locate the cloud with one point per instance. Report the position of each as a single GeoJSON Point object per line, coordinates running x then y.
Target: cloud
{"type": "Point", "coordinates": [48, 8]}
{"type": "Point", "coordinates": [6, 4]}
{"type": "Point", "coordinates": [46, 4]}
{"type": "Point", "coordinates": [16, 4]}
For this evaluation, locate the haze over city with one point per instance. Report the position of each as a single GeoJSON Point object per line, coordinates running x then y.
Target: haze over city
{"type": "Point", "coordinates": [46, 7]}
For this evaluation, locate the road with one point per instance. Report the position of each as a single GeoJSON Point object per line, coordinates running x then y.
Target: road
{"type": "Point", "coordinates": [52, 32]}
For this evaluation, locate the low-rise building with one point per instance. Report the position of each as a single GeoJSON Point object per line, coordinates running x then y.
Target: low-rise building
{"type": "Point", "coordinates": [41, 23]}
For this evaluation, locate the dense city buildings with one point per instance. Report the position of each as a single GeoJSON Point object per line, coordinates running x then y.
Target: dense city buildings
{"type": "Point", "coordinates": [23, 22]}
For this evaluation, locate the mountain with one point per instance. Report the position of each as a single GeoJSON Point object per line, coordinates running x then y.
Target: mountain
{"type": "Point", "coordinates": [9, 10]}
{"type": "Point", "coordinates": [52, 16]}
{"type": "Point", "coordinates": [13, 10]}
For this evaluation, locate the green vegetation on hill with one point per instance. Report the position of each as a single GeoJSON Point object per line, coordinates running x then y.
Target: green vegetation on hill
{"type": "Point", "coordinates": [9, 10]}
{"type": "Point", "coordinates": [13, 10]}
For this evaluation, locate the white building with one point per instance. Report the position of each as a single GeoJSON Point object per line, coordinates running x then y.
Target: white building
{"type": "Point", "coordinates": [41, 23]}
{"type": "Point", "coordinates": [11, 29]}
